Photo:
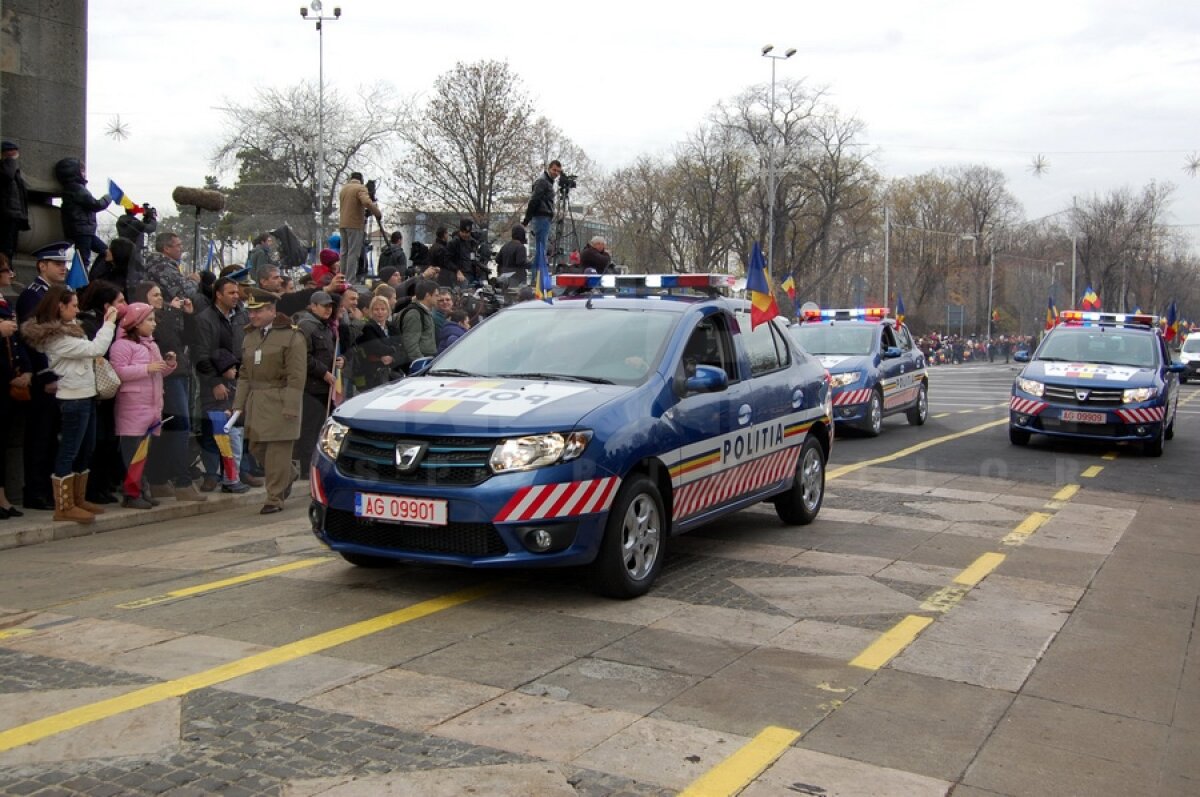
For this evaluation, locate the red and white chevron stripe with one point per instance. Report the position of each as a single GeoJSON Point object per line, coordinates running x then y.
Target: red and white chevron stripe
{"type": "Point", "coordinates": [565, 499]}
{"type": "Point", "coordinates": [1143, 415]}
{"type": "Point", "coordinates": [726, 485]}
{"type": "Point", "coordinates": [1027, 406]}
{"type": "Point", "coordinates": [860, 396]}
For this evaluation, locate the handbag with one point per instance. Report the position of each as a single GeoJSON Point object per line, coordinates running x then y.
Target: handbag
{"type": "Point", "coordinates": [107, 381]}
{"type": "Point", "coordinates": [16, 392]}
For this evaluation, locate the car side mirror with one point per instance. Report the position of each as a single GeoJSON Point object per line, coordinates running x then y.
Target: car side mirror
{"type": "Point", "coordinates": [1176, 368]}
{"type": "Point", "coordinates": [707, 380]}
{"type": "Point", "coordinates": [1021, 357]}
{"type": "Point", "coordinates": [892, 352]}
{"type": "Point", "coordinates": [418, 365]}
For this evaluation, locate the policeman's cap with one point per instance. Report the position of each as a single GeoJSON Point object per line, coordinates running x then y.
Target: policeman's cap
{"type": "Point", "coordinates": [56, 251]}
{"type": "Point", "coordinates": [260, 298]}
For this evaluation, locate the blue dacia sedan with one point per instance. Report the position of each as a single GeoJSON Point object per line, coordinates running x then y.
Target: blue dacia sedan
{"type": "Point", "coordinates": [586, 431]}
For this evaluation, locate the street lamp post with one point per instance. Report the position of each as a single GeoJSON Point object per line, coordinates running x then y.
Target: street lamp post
{"type": "Point", "coordinates": [316, 8]}
{"type": "Point", "coordinates": [766, 52]}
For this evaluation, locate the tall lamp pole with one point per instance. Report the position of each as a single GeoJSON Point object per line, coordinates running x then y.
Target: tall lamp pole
{"type": "Point", "coordinates": [766, 52]}
{"type": "Point", "coordinates": [316, 8]}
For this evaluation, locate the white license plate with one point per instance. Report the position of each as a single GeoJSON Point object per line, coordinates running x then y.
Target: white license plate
{"type": "Point", "coordinates": [1073, 416]}
{"type": "Point", "coordinates": [401, 509]}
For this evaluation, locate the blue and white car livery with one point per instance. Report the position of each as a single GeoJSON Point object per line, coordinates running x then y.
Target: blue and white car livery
{"type": "Point", "coordinates": [1098, 376]}
{"type": "Point", "coordinates": [875, 367]}
{"type": "Point", "coordinates": [583, 431]}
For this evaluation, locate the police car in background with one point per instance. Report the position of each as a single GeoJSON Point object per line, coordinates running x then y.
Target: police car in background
{"type": "Point", "coordinates": [1098, 376]}
{"type": "Point", "coordinates": [876, 369]}
{"type": "Point", "coordinates": [586, 431]}
{"type": "Point", "coordinates": [1189, 355]}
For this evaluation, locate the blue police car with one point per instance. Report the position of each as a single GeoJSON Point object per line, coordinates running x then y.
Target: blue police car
{"type": "Point", "coordinates": [586, 431]}
{"type": "Point", "coordinates": [875, 368]}
{"type": "Point", "coordinates": [1098, 376]}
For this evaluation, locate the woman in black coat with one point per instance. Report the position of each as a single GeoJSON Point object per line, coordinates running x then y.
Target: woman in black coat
{"type": "Point", "coordinates": [375, 349]}
{"type": "Point", "coordinates": [108, 469]}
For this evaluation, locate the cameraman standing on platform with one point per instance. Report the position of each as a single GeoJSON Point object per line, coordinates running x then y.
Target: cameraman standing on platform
{"type": "Point", "coordinates": [354, 202]}
{"type": "Point", "coordinates": [541, 211]}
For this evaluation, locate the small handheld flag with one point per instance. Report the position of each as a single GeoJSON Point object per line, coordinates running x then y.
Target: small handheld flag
{"type": "Point", "coordinates": [758, 284]}
{"type": "Point", "coordinates": [1051, 314]}
{"type": "Point", "coordinates": [1172, 322]}
{"type": "Point", "coordinates": [137, 464]}
{"type": "Point", "coordinates": [229, 468]}
{"type": "Point", "coordinates": [1091, 301]}
{"type": "Point", "coordinates": [789, 285]}
{"type": "Point", "coordinates": [899, 308]}
{"type": "Point", "coordinates": [77, 278]}
{"type": "Point", "coordinates": [121, 198]}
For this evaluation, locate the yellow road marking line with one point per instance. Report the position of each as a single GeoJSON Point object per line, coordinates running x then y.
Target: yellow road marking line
{"type": "Point", "coordinates": [894, 640]}
{"type": "Point", "coordinates": [1027, 527]}
{"type": "Point", "coordinates": [904, 452]}
{"type": "Point", "coordinates": [945, 599]}
{"type": "Point", "coordinates": [1066, 493]}
{"type": "Point", "coordinates": [15, 632]}
{"type": "Point", "coordinates": [198, 589]}
{"type": "Point", "coordinates": [1110, 456]}
{"type": "Point", "coordinates": [737, 771]}
{"type": "Point", "coordinates": [941, 415]}
{"type": "Point", "coordinates": [73, 718]}
{"type": "Point", "coordinates": [1092, 472]}
{"type": "Point", "coordinates": [965, 412]}
{"type": "Point", "coordinates": [979, 569]}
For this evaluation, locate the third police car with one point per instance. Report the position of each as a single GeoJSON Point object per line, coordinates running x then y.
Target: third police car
{"type": "Point", "coordinates": [1100, 376]}
{"type": "Point", "coordinates": [876, 369]}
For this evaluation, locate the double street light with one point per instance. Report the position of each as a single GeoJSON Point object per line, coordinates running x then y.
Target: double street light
{"type": "Point", "coordinates": [767, 53]}
{"type": "Point", "coordinates": [316, 8]}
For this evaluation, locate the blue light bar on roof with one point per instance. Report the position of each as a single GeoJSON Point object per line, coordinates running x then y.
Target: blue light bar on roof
{"type": "Point", "coordinates": [847, 314]}
{"type": "Point", "coordinates": [645, 281]}
{"type": "Point", "coordinates": [1097, 318]}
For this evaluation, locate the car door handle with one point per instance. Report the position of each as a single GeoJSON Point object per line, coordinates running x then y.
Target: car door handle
{"type": "Point", "coordinates": [743, 416]}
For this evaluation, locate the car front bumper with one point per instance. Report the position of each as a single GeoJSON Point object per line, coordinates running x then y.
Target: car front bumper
{"type": "Point", "coordinates": [1129, 422]}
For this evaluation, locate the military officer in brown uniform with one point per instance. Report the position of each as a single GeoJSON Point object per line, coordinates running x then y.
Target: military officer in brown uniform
{"type": "Point", "coordinates": [270, 390]}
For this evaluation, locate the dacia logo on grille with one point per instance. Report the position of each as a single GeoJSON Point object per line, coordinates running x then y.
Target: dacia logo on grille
{"type": "Point", "coordinates": [408, 455]}
{"type": "Point", "coordinates": [1082, 395]}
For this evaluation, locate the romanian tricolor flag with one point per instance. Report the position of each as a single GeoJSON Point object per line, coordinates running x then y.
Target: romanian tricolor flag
{"type": "Point", "coordinates": [1051, 314]}
{"type": "Point", "coordinates": [899, 309]}
{"type": "Point", "coordinates": [1172, 331]}
{"type": "Point", "coordinates": [1091, 301]}
{"type": "Point", "coordinates": [133, 474]}
{"type": "Point", "coordinates": [542, 284]}
{"type": "Point", "coordinates": [77, 277]}
{"type": "Point", "coordinates": [121, 198]}
{"type": "Point", "coordinates": [789, 285]}
{"type": "Point", "coordinates": [228, 466]}
{"type": "Point", "coordinates": [758, 284]}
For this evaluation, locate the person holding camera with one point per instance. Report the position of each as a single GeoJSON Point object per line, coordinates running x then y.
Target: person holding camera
{"type": "Point", "coordinates": [133, 229]}
{"type": "Point", "coordinates": [462, 258]}
{"type": "Point", "coordinates": [354, 202]}
{"type": "Point", "coordinates": [540, 211]}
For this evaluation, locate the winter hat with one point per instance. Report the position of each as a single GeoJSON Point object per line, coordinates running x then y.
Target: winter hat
{"type": "Point", "coordinates": [134, 314]}
{"type": "Point", "coordinates": [518, 233]}
{"type": "Point", "coordinates": [8, 146]}
{"type": "Point", "coordinates": [329, 257]}
{"type": "Point", "coordinates": [386, 273]}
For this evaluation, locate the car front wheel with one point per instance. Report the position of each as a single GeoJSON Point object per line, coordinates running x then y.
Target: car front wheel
{"type": "Point", "coordinates": [631, 552]}
{"type": "Point", "coordinates": [1018, 437]}
{"type": "Point", "coordinates": [873, 423]}
{"type": "Point", "coordinates": [801, 503]}
{"type": "Point", "coordinates": [920, 411]}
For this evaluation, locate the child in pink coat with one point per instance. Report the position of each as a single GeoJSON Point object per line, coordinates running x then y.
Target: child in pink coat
{"type": "Point", "coordinates": [136, 359]}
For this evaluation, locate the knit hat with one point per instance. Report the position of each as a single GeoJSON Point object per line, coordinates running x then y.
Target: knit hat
{"type": "Point", "coordinates": [518, 233]}
{"type": "Point", "coordinates": [329, 257]}
{"type": "Point", "coordinates": [134, 314]}
{"type": "Point", "coordinates": [386, 273]}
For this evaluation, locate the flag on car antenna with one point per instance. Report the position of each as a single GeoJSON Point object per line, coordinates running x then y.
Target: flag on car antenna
{"type": "Point", "coordinates": [1091, 300]}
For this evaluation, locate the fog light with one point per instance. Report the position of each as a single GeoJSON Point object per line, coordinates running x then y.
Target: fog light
{"type": "Point", "coordinates": [847, 412]}
{"type": "Point", "coordinates": [539, 540]}
{"type": "Point", "coordinates": [1141, 430]}
{"type": "Point", "coordinates": [1022, 420]}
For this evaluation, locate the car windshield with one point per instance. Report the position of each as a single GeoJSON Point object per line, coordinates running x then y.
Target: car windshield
{"type": "Point", "coordinates": [834, 338]}
{"type": "Point", "coordinates": [1101, 347]}
{"type": "Point", "coordinates": [600, 345]}
{"type": "Point", "coordinates": [1192, 344]}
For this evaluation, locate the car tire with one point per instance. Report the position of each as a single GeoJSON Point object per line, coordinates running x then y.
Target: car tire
{"type": "Point", "coordinates": [1154, 448]}
{"type": "Point", "coordinates": [1170, 433]}
{"type": "Point", "coordinates": [920, 413]}
{"type": "Point", "coordinates": [1018, 437]}
{"type": "Point", "coordinates": [873, 424]}
{"type": "Point", "coordinates": [801, 503]}
{"type": "Point", "coordinates": [631, 553]}
{"type": "Point", "coordinates": [363, 560]}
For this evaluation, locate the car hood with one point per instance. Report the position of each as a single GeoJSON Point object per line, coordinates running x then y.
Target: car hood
{"type": "Point", "coordinates": [841, 363]}
{"type": "Point", "coordinates": [1087, 374]}
{"type": "Point", "coordinates": [455, 406]}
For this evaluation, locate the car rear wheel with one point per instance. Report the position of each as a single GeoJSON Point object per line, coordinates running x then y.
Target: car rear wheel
{"type": "Point", "coordinates": [801, 503]}
{"type": "Point", "coordinates": [363, 560]}
{"type": "Point", "coordinates": [1018, 437]}
{"type": "Point", "coordinates": [920, 411]}
{"type": "Point", "coordinates": [873, 423]}
{"type": "Point", "coordinates": [631, 552]}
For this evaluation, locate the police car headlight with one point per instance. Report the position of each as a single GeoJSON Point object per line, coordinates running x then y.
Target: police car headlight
{"type": "Point", "coordinates": [1031, 386]}
{"type": "Point", "coordinates": [330, 440]}
{"type": "Point", "coordinates": [538, 451]}
{"type": "Point", "coordinates": [841, 380]}
{"type": "Point", "coordinates": [1138, 394]}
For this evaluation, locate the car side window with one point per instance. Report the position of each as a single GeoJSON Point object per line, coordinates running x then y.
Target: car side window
{"type": "Point", "coordinates": [766, 348]}
{"type": "Point", "coordinates": [888, 339]}
{"type": "Point", "coordinates": [906, 341]}
{"type": "Point", "coordinates": [709, 344]}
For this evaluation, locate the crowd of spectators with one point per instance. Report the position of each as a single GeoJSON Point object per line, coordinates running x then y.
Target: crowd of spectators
{"type": "Point", "coordinates": [956, 349]}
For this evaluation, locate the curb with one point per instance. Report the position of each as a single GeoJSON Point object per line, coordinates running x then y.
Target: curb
{"type": "Point", "coordinates": [38, 526]}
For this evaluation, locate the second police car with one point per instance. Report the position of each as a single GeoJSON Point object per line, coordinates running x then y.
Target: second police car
{"type": "Point", "coordinates": [1098, 376]}
{"type": "Point", "coordinates": [875, 367]}
{"type": "Point", "coordinates": [586, 431]}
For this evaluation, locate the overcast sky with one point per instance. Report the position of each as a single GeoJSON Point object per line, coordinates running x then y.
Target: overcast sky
{"type": "Point", "coordinates": [1106, 92]}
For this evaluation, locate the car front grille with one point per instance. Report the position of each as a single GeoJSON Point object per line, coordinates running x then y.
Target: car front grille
{"type": "Point", "coordinates": [461, 461]}
{"type": "Point", "coordinates": [460, 539]}
{"type": "Point", "coordinates": [1063, 394]}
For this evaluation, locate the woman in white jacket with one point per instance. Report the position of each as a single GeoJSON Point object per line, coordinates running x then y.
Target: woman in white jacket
{"type": "Point", "coordinates": [54, 332]}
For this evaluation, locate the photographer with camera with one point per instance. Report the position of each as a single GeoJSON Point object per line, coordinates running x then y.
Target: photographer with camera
{"type": "Point", "coordinates": [354, 202]}
{"type": "Point", "coordinates": [540, 211]}
{"type": "Point", "coordinates": [131, 228]}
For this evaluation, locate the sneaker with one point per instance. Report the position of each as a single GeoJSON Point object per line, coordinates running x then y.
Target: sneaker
{"type": "Point", "coordinates": [129, 502]}
{"type": "Point", "coordinates": [236, 489]}
{"type": "Point", "coordinates": [209, 484]}
{"type": "Point", "coordinates": [251, 479]}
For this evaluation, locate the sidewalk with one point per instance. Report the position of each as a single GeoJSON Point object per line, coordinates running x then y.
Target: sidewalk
{"type": "Point", "coordinates": [37, 527]}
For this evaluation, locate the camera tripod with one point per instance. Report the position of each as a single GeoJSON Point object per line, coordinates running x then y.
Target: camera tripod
{"type": "Point", "coordinates": [562, 213]}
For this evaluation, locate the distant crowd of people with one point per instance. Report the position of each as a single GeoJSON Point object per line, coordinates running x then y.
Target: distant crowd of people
{"type": "Point", "coordinates": [956, 349]}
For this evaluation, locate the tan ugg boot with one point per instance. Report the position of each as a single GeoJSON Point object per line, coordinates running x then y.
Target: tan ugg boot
{"type": "Point", "coordinates": [80, 493]}
{"type": "Point", "coordinates": [64, 501]}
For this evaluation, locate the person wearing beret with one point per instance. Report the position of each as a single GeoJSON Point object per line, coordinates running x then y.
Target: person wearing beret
{"type": "Point", "coordinates": [270, 393]}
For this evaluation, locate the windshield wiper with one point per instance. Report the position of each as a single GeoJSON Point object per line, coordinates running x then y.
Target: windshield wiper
{"type": "Point", "coordinates": [595, 380]}
{"type": "Point", "coordinates": [450, 372]}
{"type": "Point", "coordinates": [1055, 360]}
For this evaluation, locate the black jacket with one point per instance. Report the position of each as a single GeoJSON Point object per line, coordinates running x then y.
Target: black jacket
{"type": "Point", "coordinates": [39, 363]}
{"type": "Point", "coordinates": [594, 259]}
{"type": "Point", "coordinates": [460, 256]}
{"type": "Point", "coordinates": [513, 257]}
{"type": "Point", "coordinates": [319, 338]}
{"type": "Point", "coordinates": [541, 202]}
{"type": "Point", "coordinates": [79, 207]}
{"type": "Point", "coordinates": [14, 196]}
{"type": "Point", "coordinates": [217, 347]}
{"type": "Point", "coordinates": [174, 330]}
{"type": "Point", "coordinates": [393, 255]}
